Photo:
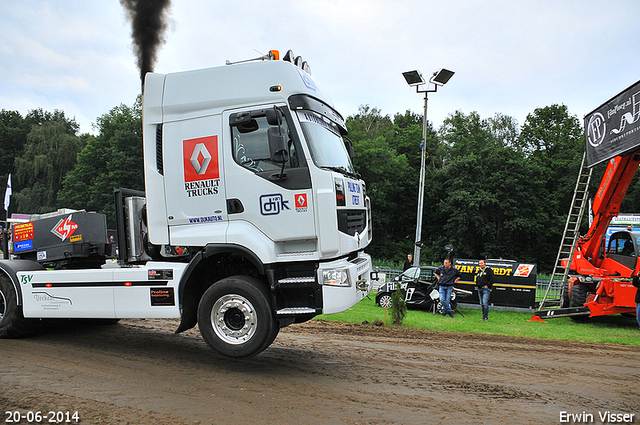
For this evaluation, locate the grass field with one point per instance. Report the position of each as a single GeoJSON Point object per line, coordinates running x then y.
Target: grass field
{"type": "Point", "coordinates": [608, 329]}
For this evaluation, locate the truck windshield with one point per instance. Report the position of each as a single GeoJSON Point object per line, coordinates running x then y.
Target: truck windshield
{"type": "Point", "coordinates": [327, 146]}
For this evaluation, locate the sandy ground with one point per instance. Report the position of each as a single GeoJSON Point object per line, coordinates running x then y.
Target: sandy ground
{"type": "Point", "coordinates": [139, 372]}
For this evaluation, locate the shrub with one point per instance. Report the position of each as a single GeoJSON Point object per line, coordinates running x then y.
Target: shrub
{"type": "Point", "coordinates": [398, 306]}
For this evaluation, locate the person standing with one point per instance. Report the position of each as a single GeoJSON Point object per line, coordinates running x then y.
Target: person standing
{"type": "Point", "coordinates": [447, 276]}
{"type": "Point", "coordinates": [484, 282]}
{"type": "Point", "coordinates": [408, 263]}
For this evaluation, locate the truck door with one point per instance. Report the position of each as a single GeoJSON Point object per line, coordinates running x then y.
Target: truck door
{"type": "Point", "coordinates": [262, 195]}
{"type": "Point", "coordinates": [196, 205]}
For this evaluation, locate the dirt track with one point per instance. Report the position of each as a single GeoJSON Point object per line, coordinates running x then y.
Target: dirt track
{"type": "Point", "coordinates": [139, 372]}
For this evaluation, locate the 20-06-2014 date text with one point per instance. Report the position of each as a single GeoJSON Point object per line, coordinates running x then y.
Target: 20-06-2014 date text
{"type": "Point", "coordinates": [41, 417]}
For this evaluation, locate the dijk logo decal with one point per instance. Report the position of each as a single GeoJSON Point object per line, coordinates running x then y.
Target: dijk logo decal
{"type": "Point", "coordinates": [200, 157]}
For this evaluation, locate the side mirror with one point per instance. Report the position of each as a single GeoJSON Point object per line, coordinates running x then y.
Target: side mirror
{"type": "Point", "coordinates": [248, 127]}
{"type": "Point", "coordinates": [277, 145]}
{"type": "Point", "coordinates": [349, 145]}
{"type": "Point", "coordinates": [244, 122]}
{"type": "Point", "coordinates": [239, 118]}
{"type": "Point", "coordinates": [274, 116]}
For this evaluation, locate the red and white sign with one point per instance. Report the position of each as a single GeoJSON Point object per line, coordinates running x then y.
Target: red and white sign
{"type": "Point", "coordinates": [301, 202]}
{"type": "Point", "coordinates": [524, 270]}
{"type": "Point", "coordinates": [200, 157]}
{"type": "Point", "coordinates": [64, 228]}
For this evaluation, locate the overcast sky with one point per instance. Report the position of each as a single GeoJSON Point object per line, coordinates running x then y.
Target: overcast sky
{"type": "Point", "coordinates": [508, 56]}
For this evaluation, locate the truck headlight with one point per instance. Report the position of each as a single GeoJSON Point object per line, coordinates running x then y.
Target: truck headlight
{"type": "Point", "coordinates": [338, 277]}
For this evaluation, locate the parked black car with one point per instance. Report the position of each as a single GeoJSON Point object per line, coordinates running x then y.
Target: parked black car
{"type": "Point", "coordinates": [419, 286]}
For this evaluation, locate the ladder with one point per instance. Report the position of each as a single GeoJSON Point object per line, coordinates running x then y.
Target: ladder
{"type": "Point", "coordinates": [571, 229]}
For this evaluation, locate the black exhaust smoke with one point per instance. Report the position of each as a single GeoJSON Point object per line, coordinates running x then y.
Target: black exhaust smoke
{"type": "Point", "coordinates": [148, 25]}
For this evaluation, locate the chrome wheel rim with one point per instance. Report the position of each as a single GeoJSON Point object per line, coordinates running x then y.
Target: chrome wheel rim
{"type": "Point", "coordinates": [234, 319]}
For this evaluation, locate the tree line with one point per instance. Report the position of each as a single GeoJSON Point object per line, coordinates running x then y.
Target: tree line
{"type": "Point", "coordinates": [53, 166]}
{"type": "Point", "coordinates": [493, 189]}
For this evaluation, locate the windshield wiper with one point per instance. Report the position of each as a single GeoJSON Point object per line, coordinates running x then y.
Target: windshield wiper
{"type": "Point", "coordinates": [343, 170]}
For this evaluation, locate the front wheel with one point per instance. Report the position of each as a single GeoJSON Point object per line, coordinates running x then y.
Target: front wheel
{"type": "Point", "coordinates": [577, 298]}
{"type": "Point", "coordinates": [578, 295]}
{"type": "Point", "coordinates": [235, 318]}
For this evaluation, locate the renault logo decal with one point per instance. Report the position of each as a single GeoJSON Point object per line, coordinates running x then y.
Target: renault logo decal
{"type": "Point", "coordinates": [200, 158]}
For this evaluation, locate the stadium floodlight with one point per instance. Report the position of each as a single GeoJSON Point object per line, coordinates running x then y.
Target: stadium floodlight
{"type": "Point", "coordinates": [414, 79]}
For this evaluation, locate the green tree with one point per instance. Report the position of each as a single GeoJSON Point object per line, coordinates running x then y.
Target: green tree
{"type": "Point", "coordinates": [485, 202]}
{"type": "Point", "coordinates": [110, 160]}
{"type": "Point", "coordinates": [553, 141]}
{"type": "Point", "coordinates": [13, 135]}
{"type": "Point", "coordinates": [388, 181]}
{"type": "Point", "coordinates": [462, 199]}
{"type": "Point", "coordinates": [49, 153]}
{"type": "Point", "coordinates": [38, 117]}
{"type": "Point", "coordinates": [407, 140]}
{"type": "Point", "coordinates": [370, 124]}
{"type": "Point", "coordinates": [504, 129]}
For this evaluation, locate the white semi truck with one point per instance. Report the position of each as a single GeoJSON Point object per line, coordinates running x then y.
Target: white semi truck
{"type": "Point", "coordinates": [253, 217]}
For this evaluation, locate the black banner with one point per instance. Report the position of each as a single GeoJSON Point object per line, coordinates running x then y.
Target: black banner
{"type": "Point", "coordinates": [614, 128]}
{"type": "Point", "coordinates": [514, 286]}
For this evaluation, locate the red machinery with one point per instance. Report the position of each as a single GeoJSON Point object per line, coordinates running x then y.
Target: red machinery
{"type": "Point", "coordinates": [603, 282]}
{"type": "Point", "coordinates": [600, 277]}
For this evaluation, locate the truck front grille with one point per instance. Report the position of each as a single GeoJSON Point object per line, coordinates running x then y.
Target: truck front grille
{"type": "Point", "coordinates": [352, 221]}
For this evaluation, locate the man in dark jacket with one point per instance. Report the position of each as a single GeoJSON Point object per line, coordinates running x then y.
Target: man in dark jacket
{"type": "Point", "coordinates": [484, 282]}
{"type": "Point", "coordinates": [409, 263]}
{"type": "Point", "coordinates": [447, 276]}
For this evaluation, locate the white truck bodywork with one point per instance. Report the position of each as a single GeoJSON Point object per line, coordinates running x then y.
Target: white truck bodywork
{"type": "Point", "coordinates": [284, 219]}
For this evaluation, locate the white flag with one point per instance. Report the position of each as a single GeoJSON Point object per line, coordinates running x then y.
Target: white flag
{"type": "Point", "coordinates": [7, 194]}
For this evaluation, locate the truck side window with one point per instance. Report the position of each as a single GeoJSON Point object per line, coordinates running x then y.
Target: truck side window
{"type": "Point", "coordinates": [251, 146]}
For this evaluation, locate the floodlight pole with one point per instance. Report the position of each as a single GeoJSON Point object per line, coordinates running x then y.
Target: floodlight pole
{"type": "Point", "coordinates": [414, 78]}
{"type": "Point", "coordinates": [423, 160]}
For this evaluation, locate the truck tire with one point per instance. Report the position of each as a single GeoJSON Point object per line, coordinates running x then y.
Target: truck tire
{"type": "Point", "coordinates": [577, 298]}
{"type": "Point", "coordinates": [235, 317]}
{"type": "Point", "coordinates": [12, 322]}
{"type": "Point", "coordinates": [578, 295]}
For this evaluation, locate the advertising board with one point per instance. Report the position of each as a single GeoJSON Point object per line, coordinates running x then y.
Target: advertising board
{"type": "Point", "coordinates": [514, 286]}
{"type": "Point", "coordinates": [614, 127]}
